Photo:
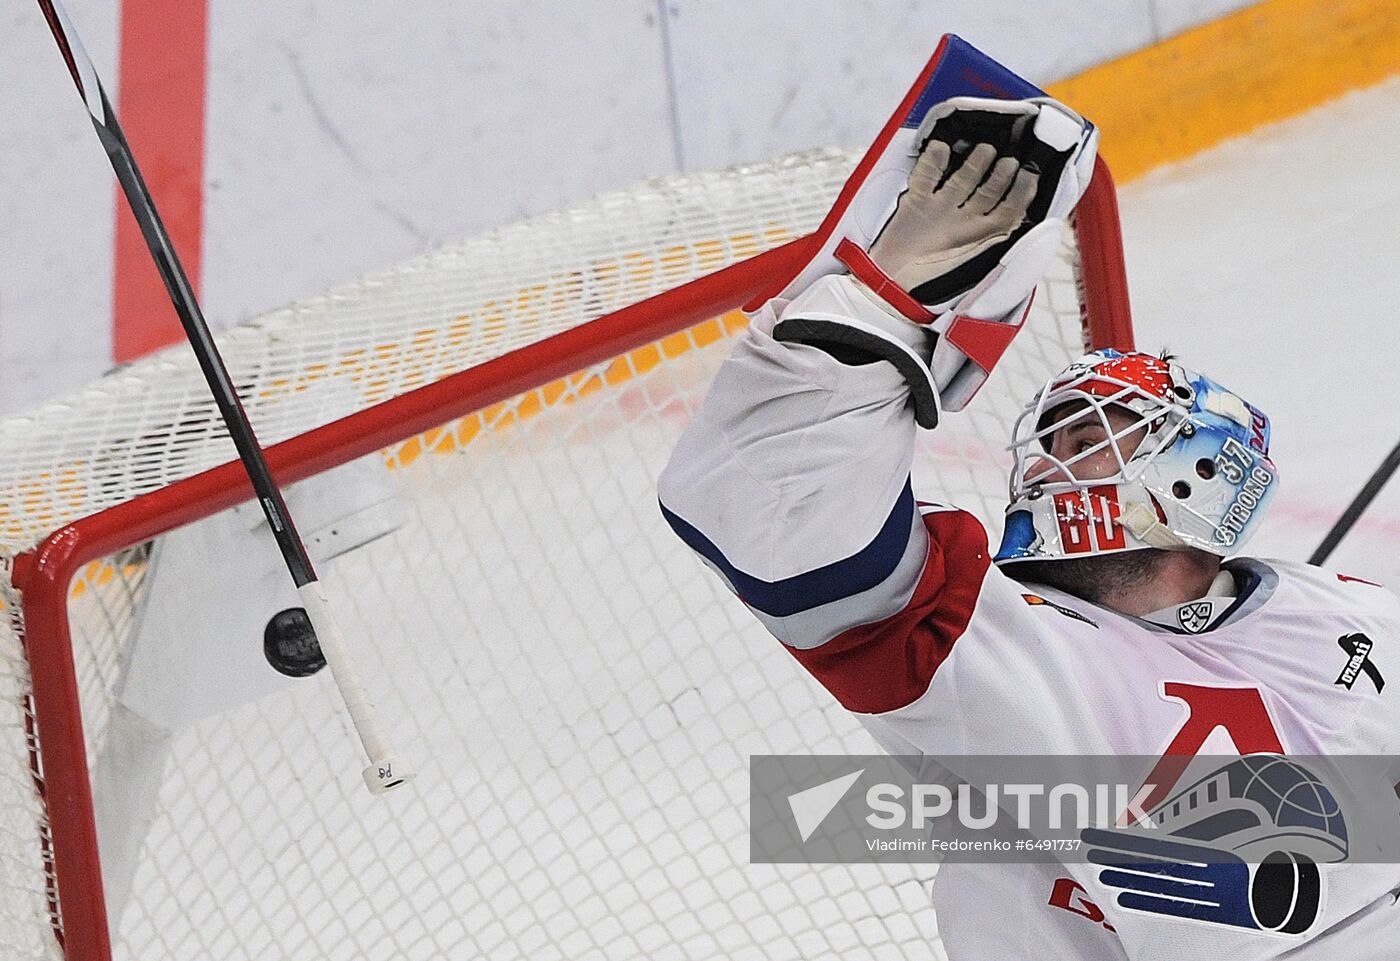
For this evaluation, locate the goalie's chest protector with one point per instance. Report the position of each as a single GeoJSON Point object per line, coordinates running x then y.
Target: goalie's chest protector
{"type": "Point", "coordinates": [1300, 666]}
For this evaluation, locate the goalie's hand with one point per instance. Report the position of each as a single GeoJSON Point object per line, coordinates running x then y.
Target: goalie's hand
{"type": "Point", "coordinates": [945, 219]}
{"type": "Point", "coordinates": [958, 251]}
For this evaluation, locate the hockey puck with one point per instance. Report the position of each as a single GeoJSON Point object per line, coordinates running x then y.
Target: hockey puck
{"type": "Point", "coordinates": [290, 644]}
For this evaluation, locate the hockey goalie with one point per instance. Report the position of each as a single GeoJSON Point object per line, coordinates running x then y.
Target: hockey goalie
{"type": "Point", "coordinates": [1117, 617]}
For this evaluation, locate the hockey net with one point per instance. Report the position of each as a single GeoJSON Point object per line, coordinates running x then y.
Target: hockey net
{"type": "Point", "coordinates": [580, 695]}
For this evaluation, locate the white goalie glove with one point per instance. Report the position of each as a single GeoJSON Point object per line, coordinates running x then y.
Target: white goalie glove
{"type": "Point", "coordinates": [958, 249]}
{"type": "Point", "coordinates": [950, 217]}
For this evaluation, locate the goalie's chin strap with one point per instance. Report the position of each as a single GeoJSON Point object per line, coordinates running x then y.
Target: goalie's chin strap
{"type": "Point", "coordinates": [1144, 524]}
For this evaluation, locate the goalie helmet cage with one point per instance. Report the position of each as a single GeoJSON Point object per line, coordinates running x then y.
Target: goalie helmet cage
{"type": "Point", "coordinates": [580, 694]}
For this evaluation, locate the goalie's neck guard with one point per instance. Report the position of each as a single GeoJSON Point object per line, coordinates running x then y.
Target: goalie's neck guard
{"type": "Point", "coordinates": [1189, 463]}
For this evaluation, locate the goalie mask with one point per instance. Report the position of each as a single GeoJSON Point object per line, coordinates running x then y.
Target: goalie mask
{"type": "Point", "coordinates": [1154, 455]}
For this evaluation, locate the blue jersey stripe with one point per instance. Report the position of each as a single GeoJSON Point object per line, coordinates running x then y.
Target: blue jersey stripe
{"type": "Point", "coordinates": [864, 569]}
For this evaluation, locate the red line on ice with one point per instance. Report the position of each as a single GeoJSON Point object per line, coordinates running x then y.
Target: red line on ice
{"type": "Point", "coordinates": [162, 73]}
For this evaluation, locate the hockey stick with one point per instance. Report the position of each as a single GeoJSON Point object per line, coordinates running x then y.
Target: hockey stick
{"type": "Point", "coordinates": [385, 770]}
{"type": "Point", "coordinates": [1357, 506]}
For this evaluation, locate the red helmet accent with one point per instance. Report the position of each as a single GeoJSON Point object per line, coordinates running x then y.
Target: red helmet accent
{"type": "Point", "coordinates": [1151, 374]}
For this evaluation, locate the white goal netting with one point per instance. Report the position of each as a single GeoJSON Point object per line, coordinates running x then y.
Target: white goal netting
{"type": "Point", "coordinates": [579, 694]}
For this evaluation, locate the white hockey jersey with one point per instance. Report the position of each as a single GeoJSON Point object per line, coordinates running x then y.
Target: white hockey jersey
{"type": "Point", "coordinates": [793, 484]}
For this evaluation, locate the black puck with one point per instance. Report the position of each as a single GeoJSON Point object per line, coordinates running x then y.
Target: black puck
{"type": "Point", "coordinates": [290, 644]}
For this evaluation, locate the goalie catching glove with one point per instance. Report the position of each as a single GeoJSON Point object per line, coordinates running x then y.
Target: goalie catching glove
{"type": "Point", "coordinates": [957, 248]}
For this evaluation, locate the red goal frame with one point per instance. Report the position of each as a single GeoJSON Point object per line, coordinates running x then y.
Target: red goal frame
{"type": "Point", "coordinates": [43, 575]}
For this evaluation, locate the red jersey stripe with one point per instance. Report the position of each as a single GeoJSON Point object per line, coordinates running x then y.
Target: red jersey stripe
{"type": "Point", "coordinates": [889, 664]}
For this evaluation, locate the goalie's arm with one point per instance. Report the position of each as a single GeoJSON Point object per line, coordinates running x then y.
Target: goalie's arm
{"type": "Point", "coordinates": [792, 481]}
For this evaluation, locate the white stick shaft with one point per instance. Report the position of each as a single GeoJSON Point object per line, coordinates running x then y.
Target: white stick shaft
{"type": "Point", "coordinates": [385, 769]}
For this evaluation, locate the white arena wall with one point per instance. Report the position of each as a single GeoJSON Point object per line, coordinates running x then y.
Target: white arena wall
{"type": "Point", "coordinates": [343, 138]}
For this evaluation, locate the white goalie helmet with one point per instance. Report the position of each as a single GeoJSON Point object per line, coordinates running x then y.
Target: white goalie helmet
{"type": "Point", "coordinates": [1188, 466]}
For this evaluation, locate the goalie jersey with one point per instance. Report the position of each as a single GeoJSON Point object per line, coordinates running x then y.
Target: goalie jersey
{"type": "Point", "coordinates": [793, 484]}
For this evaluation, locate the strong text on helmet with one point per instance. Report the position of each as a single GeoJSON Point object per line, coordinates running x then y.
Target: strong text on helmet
{"type": "Point", "coordinates": [1238, 466]}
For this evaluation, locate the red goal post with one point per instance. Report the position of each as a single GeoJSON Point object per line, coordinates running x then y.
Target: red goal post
{"type": "Point", "coordinates": [44, 575]}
